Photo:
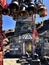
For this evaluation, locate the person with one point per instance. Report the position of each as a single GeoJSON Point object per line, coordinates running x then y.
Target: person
{"type": "Point", "coordinates": [38, 49]}
{"type": "Point", "coordinates": [34, 47]}
{"type": "Point", "coordinates": [1, 46]}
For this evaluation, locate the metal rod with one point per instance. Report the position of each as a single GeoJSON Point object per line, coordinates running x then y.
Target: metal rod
{"type": "Point", "coordinates": [1, 38]}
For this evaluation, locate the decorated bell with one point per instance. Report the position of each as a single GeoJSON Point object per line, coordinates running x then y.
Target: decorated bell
{"type": "Point", "coordinates": [42, 11]}
{"type": "Point", "coordinates": [31, 8]}
{"type": "Point", "coordinates": [6, 11]}
{"type": "Point", "coordinates": [14, 6]}
{"type": "Point", "coordinates": [27, 1]}
{"type": "Point", "coordinates": [23, 11]}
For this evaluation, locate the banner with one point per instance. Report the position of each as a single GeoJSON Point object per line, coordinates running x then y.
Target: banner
{"type": "Point", "coordinates": [34, 33]}
{"type": "Point", "coordinates": [3, 3]}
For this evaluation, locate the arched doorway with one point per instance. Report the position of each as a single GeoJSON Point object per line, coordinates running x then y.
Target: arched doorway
{"type": "Point", "coordinates": [28, 45]}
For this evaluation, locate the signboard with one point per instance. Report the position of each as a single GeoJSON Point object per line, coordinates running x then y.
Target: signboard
{"type": "Point", "coordinates": [46, 45]}
{"type": "Point", "coordinates": [27, 36]}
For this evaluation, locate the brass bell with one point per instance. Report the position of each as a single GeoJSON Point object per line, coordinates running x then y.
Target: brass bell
{"type": "Point", "coordinates": [31, 8]}
{"type": "Point", "coordinates": [23, 11]}
{"type": "Point", "coordinates": [27, 1]}
{"type": "Point", "coordinates": [13, 6]}
{"type": "Point", "coordinates": [42, 11]}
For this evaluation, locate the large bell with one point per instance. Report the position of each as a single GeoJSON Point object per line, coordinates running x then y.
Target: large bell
{"type": "Point", "coordinates": [42, 11]}
{"type": "Point", "coordinates": [23, 11]}
{"type": "Point", "coordinates": [31, 8]}
{"type": "Point", "coordinates": [14, 6]}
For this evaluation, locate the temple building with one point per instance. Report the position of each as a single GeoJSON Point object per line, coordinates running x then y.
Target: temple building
{"type": "Point", "coordinates": [23, 34]}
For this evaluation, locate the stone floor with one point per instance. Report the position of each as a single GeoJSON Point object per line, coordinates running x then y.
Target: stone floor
{"type": "Point", "coordinates": [10, 61]}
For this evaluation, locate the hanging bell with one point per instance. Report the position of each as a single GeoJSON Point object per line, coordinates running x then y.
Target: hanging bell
{"type": "Point", "coordinates": [14, 6]}
{"type": "Point", "coordinates": [6, 11]}
{"type": "Point", "coordinates": [23, 11]}
{"type": "Point", "coordinates": [31, 8]}
{"type": "Point", "coordinates": [27, 1]}
{"type": "Point", "coordinates": [42, 11]}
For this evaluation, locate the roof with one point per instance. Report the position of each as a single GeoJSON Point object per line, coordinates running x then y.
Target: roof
{"type": "Point", "coordinates": [42, 28]}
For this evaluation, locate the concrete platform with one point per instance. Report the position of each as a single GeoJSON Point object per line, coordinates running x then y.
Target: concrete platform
{"type": "Point", "coordinates": [11, 61]}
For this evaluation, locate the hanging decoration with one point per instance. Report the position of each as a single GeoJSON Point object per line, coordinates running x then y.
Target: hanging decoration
{"type": "Point", "coordinates": [34, 33]}
{"type": "Point", "coordinates": [3, 3]}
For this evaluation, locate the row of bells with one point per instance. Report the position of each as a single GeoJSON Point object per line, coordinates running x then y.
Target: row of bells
{"type": "Point", "coordinates": [23, 9]}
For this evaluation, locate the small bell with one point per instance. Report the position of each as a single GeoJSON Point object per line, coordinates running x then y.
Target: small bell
{"type": "Point", "coordinates": [31, 8]}
{"type": "Point", "coordinates": [42, 11]}
{"type": "Point", "coordinates": [23, 11]}
{"type": "Point", "coordinates": [14, 6]}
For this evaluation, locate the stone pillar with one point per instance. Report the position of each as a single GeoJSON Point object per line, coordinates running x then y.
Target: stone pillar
{"type": "Point", "coordinates": [24, 48]}
{"type": "Point", "coordinates": [2, 36]}
{"type": "Point", "coordinates": [1, 39]}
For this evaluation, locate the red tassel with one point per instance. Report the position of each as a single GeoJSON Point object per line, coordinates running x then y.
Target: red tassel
{"type": "Point", "coordinates": [3, 3]}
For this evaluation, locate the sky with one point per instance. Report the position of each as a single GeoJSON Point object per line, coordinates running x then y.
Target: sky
{"type": "Point", "coordinates": [9, 23]}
